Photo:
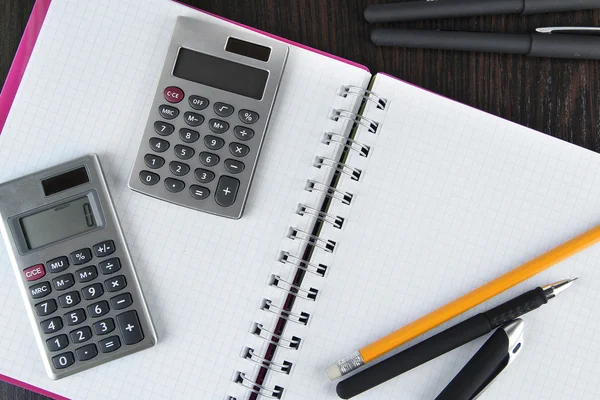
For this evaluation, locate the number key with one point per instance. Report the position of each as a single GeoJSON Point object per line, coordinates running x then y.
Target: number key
{"type": "Point", "coordinates": [153, 161]}
{"type": "Point", "coordinates": [69, 300]}
{"type": "Point", "coordinates": [98, 309]}
{"type": "Point", "coordinates": [188, 135]}
{"type": "Point", "coordinates": [213, 142]}
{"type": "Point", "coordinates": [204, 175]}
{"type": "Point", "coordinates": [163, 129]}
{"type": "Point", "coordinates": [179, 169]}
{"type": "Point", "coordinates": [52, 325]}
{"type": "Point", "coordinates": [209, 159]}
{"type": "Point", "coordinates": [64, 360]}
{"type": "Point", "coordinates": [57, 343]}
{"type": "Point", "coordinates": [46, 307]}
{"type": "Point", "coordinates": [105, 326]}
{"type": "Point", "coordinates": [81, 335]}
{"type": "Point", "coordinates": [75, 317]}
{"type": "Point", "coordinates": [158, 145]}
{"type": "Point", "coordinates": [93, 291]}
{"type": "Point", "coordinates": [184, 152]}
{"type": "Point", "coordinates": [149, 178]}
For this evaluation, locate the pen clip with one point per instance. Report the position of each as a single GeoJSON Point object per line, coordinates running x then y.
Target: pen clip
{"type": "Point", "coordinates": [571, 30]}
{"type": "Point", "coordinates": [514, 331]}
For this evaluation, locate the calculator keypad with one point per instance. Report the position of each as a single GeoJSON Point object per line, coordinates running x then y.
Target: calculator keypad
{"type": "Point", "coordinates": [75, 325]}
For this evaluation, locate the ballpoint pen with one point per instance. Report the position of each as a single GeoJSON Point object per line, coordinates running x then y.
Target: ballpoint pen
{"type": "Point", "coordinates": [449, 339]}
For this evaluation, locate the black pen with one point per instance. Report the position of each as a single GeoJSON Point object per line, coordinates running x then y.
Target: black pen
{"type": "Point", "coordinates": [576, 43]}
{"type": "Point", "coordinates": [418, 10]}
{"type": "Point", "coordinates": [449, 339]}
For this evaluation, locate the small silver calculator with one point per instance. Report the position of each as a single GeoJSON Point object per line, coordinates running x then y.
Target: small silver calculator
{"type": "Point", "coordinates": [73, 267]}
{"type": "Point", "coordinates": [209, 117]}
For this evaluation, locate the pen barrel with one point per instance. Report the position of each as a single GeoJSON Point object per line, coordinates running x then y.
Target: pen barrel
{"type": "Point", "coordinates": [516, 307]}
{"type": "Point", "coordinates": [467, 41]}
{"type": "Point", "coordinates": [419, 10]}
{"type": "Point", "coordinates": [547, 6]}
{"type": "Point", "coordinates": [558, 45]}
{"type": "Point", "coordinates": [414, 356]}
{"type": "Point", "coordinates": [479, 368]}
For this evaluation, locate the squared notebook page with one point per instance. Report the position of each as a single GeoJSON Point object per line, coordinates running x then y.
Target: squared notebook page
{"type": "Point", "coordinates": [450, 198]}
{"type": "Point", "coordinates": [88, 88]}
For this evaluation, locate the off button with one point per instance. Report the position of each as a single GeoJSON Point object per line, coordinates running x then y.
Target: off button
{"type": "Point", "coordinates": [173, 94]}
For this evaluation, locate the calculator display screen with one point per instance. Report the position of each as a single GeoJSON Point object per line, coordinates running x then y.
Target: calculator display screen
{"type": "Point", "coordinates": [220, 73]}
{"type": "Point", "coordinates": [59, 222]}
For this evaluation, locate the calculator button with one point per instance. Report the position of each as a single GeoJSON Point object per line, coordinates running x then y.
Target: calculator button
{"type": "Point", "coordinates": [93, 291]}
{"type": "Point", "coordinates": [63, 282]}
{"type": "Point", "coordinates": [248, 117]}
{"type": "Point", "coordinates": [52, 325]}
{"type": "Point", "coordinates": [213, 142]}
{"type": "Point", "coordinates": [58, 264]}
{"type": "Point", "coordinates": [203, 175]}
{"type": "Point", "coordinates": [158, 145]}
{"type": "Point", "coordinates": [81, 335]}
{"type": "Point", "coordinates": [184, 152]}
{"type": "Point", "coordinates": [168, 112]}
{"type": "Point", "coordinates": [109, 344]}
{"type": "Point", "coordinates": [218, 126]}
{"type": "Point", "coordinates": [63, 360]}
{"type": "Point", "coordinates": [40, 290]}
{"type": "Point", "coordinates": [199, 192]}
{"type": "Point", "coordinates": [149, 178]}
{"type": "Point", "coordinates": [75, 317]}
{"type": "Point", "coordinates": [103, 327]}
{"type": "Point", "coordinates": [243, 133]}
{"type": "Point", "coordinates": [110, 266]}
{"type": "Point", "coordinates": [153, 161]}
{"type": "Point", "coordinates": [238, 149]}
{"type": "Point", "coordinates": [46, 307]}
{"type": "Point", "coordinates": [98, 309]}
{"type": "Point", "coordinates": [129, 324]}
{"type": "Point", "coordinates": [86, 352]}
{"type": "Point", "coordinates": [234, 166]}
{"type": "Point", "coordinates": [115, 284]}
{"type": "Point", "coordinates": [163, 129]}
{"type": "Point", "coordinates": [34, 273]}
{"type": "Point", "coordinates": [179, 169]}
{"type": "Point", "coordinates": [86, 274]}
{"type": "Point", "coordinates": [121, 301]}
{"type": "Point", "coordinates": [193, 119]}
{"type": "Point", "coordinates": [69, 299]}
{"type": "Point", "coordinates": [209, 159]}
{"type": "Point", "coordinates": [104, 249]}
{"type": "Point", "coordinates": [57, 343]}
{"type": "Point", "coordinates": [173, 94]}
{"type": "Point", "coordinates": [223, 109]}
{"type": "Point", "coordinates": [81, 256]}
{"type": "Point", "coordinates": [226, 191]}
{"type": "Point", "coordinates": [198, 102]}
{"type": "Point", "coordinates": [188, 135]}
{"type": "Point", "coordinates": [174, 185]}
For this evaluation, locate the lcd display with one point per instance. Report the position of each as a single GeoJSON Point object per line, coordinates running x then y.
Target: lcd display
{"type": "Point", "coordinates": [220, 73]}
{"type": "Point", "coordinates": [60, 222]}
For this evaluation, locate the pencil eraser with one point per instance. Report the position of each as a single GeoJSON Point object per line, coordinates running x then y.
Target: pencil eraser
{"type": "Point", "coordinates": [333, 372]}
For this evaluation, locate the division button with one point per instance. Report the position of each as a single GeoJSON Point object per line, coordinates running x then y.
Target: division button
{"type": "Point", "coordinates": [243, 133]}
{"type": "Point", "coordinates": [174, 185]}
{"type": "Point", "coordinates": [223, 109]}
{"type": "Point", "coordinates": [149, 178]}
{"type": "Point", "coordinates": [40, 290]}
{"type": "Point", "coordinates": [34, 273]}
{"type": "Point", "coordinates": [168, 112]}
{"type": "Point", "coordinates": [226, 191]}
{"type": "Point", "coordinates": [248, 117]}
{"type": "Point", "coordinates": [198, 102]}
{"type": "Point", "coordinates": [110, 266]}
{"type": "Point", "coordinates": [218, 126]}
{"type": "Point", "coordinates": [163, 129]}
{"type": "Point", "coordinates": [199, 192]}
{"type": "Point", "coordinates": [173, 94]}
{"type": "Point", "coordinates": [58, 264]}
{"type": "Point", "coordinates": [154, 161]}
{"type": "Point", "coordinates": [121, 301]}
{"type": "Point", "coordinates": [238, 149]}
{"type": "Point", "coordinates": [158, 145]}
{"type": "Point", "coordinates": [64, 360]}
{"type": "Point", "coordinates": [81, 256]}
{"type": "Point", "coordinates": [104, 249]}
{"type": "Point", "coordinates": [86, 352]}
{"type": "Point", "coordinates": [234, 166]}
{"type": "Point", "coordinates": [109, 344]}
{"type": "Point", "coordinates": [193, 119]}
{"type": "Point", "coordinates": [129, 324]}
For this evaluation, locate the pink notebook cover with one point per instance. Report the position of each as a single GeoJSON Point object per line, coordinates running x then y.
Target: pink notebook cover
{"type": "Point", "coordinates": [15, 74]}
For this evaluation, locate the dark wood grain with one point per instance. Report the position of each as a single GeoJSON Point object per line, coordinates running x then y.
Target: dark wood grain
{"type": "Point", "coordinates": [559, 97]}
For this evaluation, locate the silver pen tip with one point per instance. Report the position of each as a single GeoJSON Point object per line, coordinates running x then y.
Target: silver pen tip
{"type": "Point", "coordinates": [554, 289]}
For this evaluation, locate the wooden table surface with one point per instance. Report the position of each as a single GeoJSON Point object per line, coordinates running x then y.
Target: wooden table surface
{"type": "Point", "coordinates": [558, 97]}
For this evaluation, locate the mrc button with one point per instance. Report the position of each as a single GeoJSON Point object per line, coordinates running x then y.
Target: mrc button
{"type": "Point", "coordinates": [173, 94]}
{"type": "Point", "coordinates": [40, 290]}
{"type": "Point", "coordinates": [35, 272]}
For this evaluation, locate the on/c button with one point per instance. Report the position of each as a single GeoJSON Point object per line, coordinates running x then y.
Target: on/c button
{"type": "Point", "coordinates": [173, 94]}
{"type": "Point", "coordinates": [35, 272]}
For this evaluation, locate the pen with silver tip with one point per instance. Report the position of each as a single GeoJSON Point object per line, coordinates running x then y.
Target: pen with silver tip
{"type": "Point", "coordinates": [449, 339]}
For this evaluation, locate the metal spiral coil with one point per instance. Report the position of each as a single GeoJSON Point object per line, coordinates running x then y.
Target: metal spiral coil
{"type": "Point", "coordinates": [287, 258]}
{"type": "Point", "coordinates": [274, 393]}
{"type": "Point", "coordinates": [344, 197]}
{"type": "Point", "coordinates": [350, 90]}
{"type": "Point", "coordinates": [283, 368]}
{"type": "Point", "coordinates": [327, 245]}
{"type": "Point", "coordinates": [298, 291]}
{"type": "Point", "coordinates": [334, 220]}
{"type": "Point", "coordinates": [278, 340]}
{"type": "Point", "coordinates": [353, 173]}
{"type": "Point", "coordinates": [301, 318]}
{"type": "Point", "coordinates": [351, 144]}
{"type": "Point", "coordinates": [356, 118]}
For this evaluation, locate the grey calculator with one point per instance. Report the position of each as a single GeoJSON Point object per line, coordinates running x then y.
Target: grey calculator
{"type": "Point", "coordinates": [209, 117]}
{"type": "Point", "coordinates": [73, 267]}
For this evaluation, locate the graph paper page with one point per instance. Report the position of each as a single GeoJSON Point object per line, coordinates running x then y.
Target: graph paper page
{"type": "Point", "coordinates": [88, 88]}
{"type": "Point", "coordinates": [450, 198]}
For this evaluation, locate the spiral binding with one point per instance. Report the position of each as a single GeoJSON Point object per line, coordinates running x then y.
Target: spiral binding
{"type": "Point", "coordinates": [350, 90]}
{"type": "Point", "coordinates": [297, 261]}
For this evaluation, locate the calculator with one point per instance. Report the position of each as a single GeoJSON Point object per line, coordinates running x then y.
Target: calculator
{"type": "Point", "coordinates": [73, 267]}
{"type": "Point", "coordinates": [209, 117]}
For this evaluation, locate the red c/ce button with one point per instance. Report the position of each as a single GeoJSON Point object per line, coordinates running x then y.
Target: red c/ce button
{"type": "Point", "coordinates": [35, 272]}
{"type": "Point", "coordinates": [173, 94]}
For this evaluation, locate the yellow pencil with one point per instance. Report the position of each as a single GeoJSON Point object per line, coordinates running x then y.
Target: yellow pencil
{"type": "Point", "coordinates": [462, 304]}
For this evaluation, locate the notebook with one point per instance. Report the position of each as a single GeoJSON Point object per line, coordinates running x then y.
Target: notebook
{"type": "Point", "coordinates": [373, 203]}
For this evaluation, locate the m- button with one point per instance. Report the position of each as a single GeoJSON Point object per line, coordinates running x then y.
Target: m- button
{"type": "Point", "coordinates": [35, 272]}
{"type": "Point", "coordinates": [173, 94]}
